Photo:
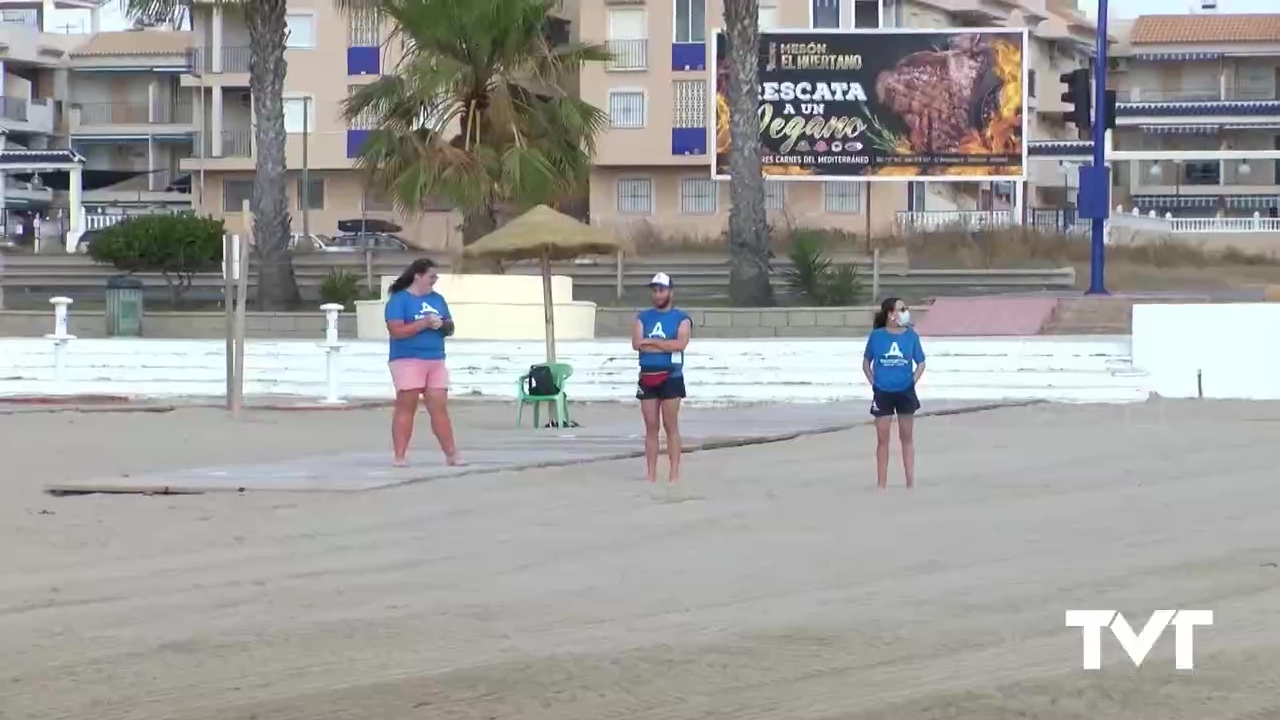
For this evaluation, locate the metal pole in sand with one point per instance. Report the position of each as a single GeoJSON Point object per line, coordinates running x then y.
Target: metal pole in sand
{"type": "Point", "coordinates": [242, 283]}
{"type": "Point", "coordinates": [229, 267]}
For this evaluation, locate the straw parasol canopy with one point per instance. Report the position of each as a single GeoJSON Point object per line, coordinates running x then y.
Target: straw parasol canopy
{"type": "Point", "coordinates": [545, 235]}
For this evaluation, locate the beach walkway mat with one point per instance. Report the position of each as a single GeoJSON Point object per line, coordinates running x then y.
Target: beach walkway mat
{"type": "Point", "coordinates": [507, 450]}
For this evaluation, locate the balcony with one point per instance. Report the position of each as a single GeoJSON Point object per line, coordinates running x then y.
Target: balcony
{"type": "Point", "coordinates": [161, 186]}
{"type": "Point", "coordinates": [234, 59]}
{"type": "Point", "coordinates": [628, 55]}
{"type": "Point", "coordinates": [138, 118]}
{"type": "Point", "coordinates": [1138, 105]}
{"type": "Point", "coordinates": [27, 116]}
{"type": "Point", "coordinates": [20, 18]}
{"type": "Point", "coordinates": [1196, 94]}
{"type": "Point", "coordinates": [12, 108]}
{"type": "Point", "coordinates": [236, 144]}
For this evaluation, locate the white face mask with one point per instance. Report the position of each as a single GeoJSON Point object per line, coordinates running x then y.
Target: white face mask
{"type": "Point", "coordinates": [904, 318]}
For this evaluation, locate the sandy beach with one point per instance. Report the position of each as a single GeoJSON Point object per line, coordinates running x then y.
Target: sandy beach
{"type": "Point", "coordinates": [775, 583]}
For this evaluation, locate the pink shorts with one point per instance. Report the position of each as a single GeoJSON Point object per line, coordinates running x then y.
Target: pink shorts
{"type": "Point", "coordinates": [414, 374]}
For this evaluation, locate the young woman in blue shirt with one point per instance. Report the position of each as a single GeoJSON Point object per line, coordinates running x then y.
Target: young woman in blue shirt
{"type": "Point", "coordinates": [893, 362]}
{"type": "Point", "coordinates": [418, 321]}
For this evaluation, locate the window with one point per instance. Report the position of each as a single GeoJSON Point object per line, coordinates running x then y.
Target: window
{"type": "Point", "coordinates": [768, 14]}
{"type": "Point", "coordinates": [825, 13]}
{"type": "Point", "coordinates": [866, 13]}
{"type": "Point", "coordinates": [775, 194]}
{"type": "Point", "coordinates": [1206, 172]}
{"type": "Point", "coordinates": [628, 39]}
{"type": "Point", "coordinates": [698, 196]}
{"type": "Point", "coordinates": [691, 21]}
{"type": "Point", "coordinates": [635, 196]}
{"type": "Point", "coordinates": [626, 108]}
{"type": "Point", "coordinates": [628, 24]}
{"type": "Point", "coordinates": [842, 197]}
{"type": "Point", "coordinates": [376, 201]}
{"type": "Point", "coordinates": [689, 104]}
{"type": "Point", "coordinates": [1031, 83]}
{"type": "Point", "coordinates": [366, 120]}
{"type": "Point", "coordinates": [315, 198]}
{"type": "Point", "coordinates": [301, 32]}
{"type": "Point", "coordinates": [234, 193]}
{"type": "Point", "coordinates": [362, 28]}
{"type": "Point", "coordinates": [299, 114]}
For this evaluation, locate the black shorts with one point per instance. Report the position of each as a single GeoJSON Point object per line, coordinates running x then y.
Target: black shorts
{"type": "Point", "coordinates": [887, 404]}
{"type": "Point", "coordinates": [671, 389]}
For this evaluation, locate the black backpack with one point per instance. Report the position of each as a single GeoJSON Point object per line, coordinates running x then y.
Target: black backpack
{"type": "Point", "coordinates": [541, 381]}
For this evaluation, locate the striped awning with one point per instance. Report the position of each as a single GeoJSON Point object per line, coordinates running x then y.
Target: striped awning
{"type": "Point", "coordinates": [1180, 129]}
{"type": "Point", "coordinates": [1175, 201]}
{"type": "Point", "coordinates": [1059, 148]}
{"type": "Point", "coordinates": [1253, 202]}
{"type": "Point", "coordinates": [1181, 56]}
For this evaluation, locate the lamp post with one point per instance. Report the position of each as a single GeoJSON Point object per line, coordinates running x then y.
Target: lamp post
{"type": "Point", "coordinates": [1098, 231]}
{"type": "Point", "coordinates": [305, 194]}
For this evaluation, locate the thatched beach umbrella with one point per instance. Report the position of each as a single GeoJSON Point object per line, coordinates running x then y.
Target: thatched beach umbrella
{"type": "Point", "coordinates": [545, 235]}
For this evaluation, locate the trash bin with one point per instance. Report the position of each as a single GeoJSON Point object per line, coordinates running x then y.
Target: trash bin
{"type": "Point", "coordinates": [124, 306]}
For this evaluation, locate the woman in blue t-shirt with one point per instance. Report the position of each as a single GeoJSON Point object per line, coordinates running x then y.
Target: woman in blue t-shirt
{"type": "Point", "coordinates": [893, 363]}
{"type": "Point", "coordinates": [418, 321]}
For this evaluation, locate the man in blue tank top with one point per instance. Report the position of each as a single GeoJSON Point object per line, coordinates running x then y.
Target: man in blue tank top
{"type": "Point", "coordinates": [660, 336]}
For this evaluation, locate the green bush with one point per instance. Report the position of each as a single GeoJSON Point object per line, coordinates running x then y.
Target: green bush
{"type": "Point", "coordinates": [814, 278]}
{"type": "Point", "coordinates": [342, 287]}
{"type": "Point", "coordinates": [176, 246]}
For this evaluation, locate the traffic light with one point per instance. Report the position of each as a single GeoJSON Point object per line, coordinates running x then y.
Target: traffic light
{"type": "Point", "coordinates": [1079, 97]}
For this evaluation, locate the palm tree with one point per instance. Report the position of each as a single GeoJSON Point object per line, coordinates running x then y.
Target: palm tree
{"type": "Point", "coordinates": [748, 225]}
{"type": "Point", "coordinates": [265, 21]}
{"type": "Point", "coordinates": [477, 111]}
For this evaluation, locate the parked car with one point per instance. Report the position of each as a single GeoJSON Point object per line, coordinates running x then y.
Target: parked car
{"type": "Point", "coordinates": [359, 242]}
{"type": "Point", "coordinates": [300, 243]}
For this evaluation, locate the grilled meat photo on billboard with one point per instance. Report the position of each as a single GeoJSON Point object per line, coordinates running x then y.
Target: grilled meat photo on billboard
{"type": "Point", "coordinates": [881, 104]}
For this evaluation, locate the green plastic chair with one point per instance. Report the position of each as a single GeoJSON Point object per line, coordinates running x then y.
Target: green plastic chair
{"type": "Point", "coordinates": [560, 372]}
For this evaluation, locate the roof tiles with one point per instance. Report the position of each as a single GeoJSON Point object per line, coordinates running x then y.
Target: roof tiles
{"type": "Point", "coordinates": [1185, 29]}
{"type": "Point", "coordinates": [135, 42]}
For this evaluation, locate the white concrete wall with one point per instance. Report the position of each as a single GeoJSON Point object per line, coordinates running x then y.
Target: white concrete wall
{"type": "Point", "coordinates": [1218, 351]}
{"type": "Point", "coordinates": [1047, 368]}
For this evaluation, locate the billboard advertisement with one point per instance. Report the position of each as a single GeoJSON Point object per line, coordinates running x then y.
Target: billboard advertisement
{"type": "Point", "coordinates": [893, 104]}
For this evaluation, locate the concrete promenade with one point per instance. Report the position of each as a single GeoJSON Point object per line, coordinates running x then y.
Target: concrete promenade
{"type": "Point", "coordinates": [774, 584]}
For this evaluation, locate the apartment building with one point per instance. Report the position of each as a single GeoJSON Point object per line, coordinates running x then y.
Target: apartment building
{"type": "Point", "coordinates": [652, 171]}
{"type": "Point", "coordinates": [329, 54]}
{"type": "Point", "coordinates": [1204, 81]}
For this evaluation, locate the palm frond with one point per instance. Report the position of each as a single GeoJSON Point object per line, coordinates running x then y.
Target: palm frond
{"type": "Point", "coordinates": [477, 111]}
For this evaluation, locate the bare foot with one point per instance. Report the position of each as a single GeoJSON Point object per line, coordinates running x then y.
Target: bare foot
{"type": "Point", "coordinates": [652, 479]}
{"type": "Point", "coordinates": [399, 462]}
{"type": "Point", "coordinates": [454, 461]}
{"type": "Point", "coordinates": [673, 480]}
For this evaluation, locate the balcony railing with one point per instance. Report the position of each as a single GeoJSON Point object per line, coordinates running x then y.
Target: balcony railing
{"type": "Point", "coordinates": [237, 143]}
{"type": "Point", "coordinates": [628, 54]}
{"type": "Point", "coordinates": [12, 108]}
{"type": "Point", "coordinates": [1200, 94]}
{"type": "Point", "coordinates": [134, 114]}
{"type": "Point", "coordinates": [235, 59]}
{"type": "Point", "coordinates": [22, 18]}
{"type": "Point", "coordinates": [157, 181]}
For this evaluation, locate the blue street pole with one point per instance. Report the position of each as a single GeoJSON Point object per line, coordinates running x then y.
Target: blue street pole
{"type": "Point", "coordinates": [1097, 253]}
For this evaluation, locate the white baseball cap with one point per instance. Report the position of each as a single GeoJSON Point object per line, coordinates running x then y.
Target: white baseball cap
{"type": "Point", "coordinates": [660, 280]}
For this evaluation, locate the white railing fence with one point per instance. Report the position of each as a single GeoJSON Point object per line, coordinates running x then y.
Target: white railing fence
{"type": "Point", "coordinates": [976, 220]}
